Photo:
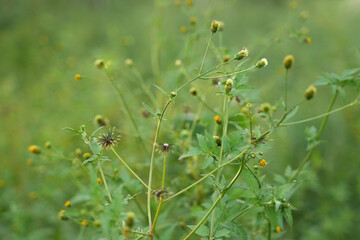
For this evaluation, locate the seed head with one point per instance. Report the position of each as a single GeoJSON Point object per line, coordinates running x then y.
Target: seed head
{"type": "Point", "coordinates": [67, 204]}
{"type": "Point", "coordinates": [241, 54]}
{"type": "Point", "coordinates": [165, 147]}
{"type": "Point", "coordinates": [34, 149]}
{"type": "Point", "coordinates": [78, 77]}
{"type": "Point", "coordinates": [126, 232]}
{"type": "Point", "coordinates": [228, 85]}
{"type": "Point", "coordinates": [214, 26]}
{"type": "Point", "coordinates": [262, 163]}
{"type": "Point", "coordinates": [108, 140]}
{"type": "Point", "coordinates": [129, 62]}
{"type": "Point", "coordinates": [310, 92]}
{"type": "Point", "coordinates": [193, 91]}
{"type": "Point", "coordinates": [262, 63]}
{"type": "Point", "coordinates": [217, 119]}
{"type": "Point", "coordinates": [288, 61]}
{"type": "Point", "coordinates": [265, 107]}
{"type": "Point", "coordinates": [99, 63]}
{"type": "Point", "coordinates": [215, 81]}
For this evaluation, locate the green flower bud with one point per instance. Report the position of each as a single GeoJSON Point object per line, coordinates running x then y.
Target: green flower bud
{"type": "Point", "coordinates": [217, 140]}
{"type": "Point", "coordinates": [288, 61]}
{"type": "Point", "coordinates": [99, 63]}
{"type": "Point", "coordinates": [310, 92]}
{"type": "Point", "coordinates": [228, 86]}
{"type": "Point", "coordinates": [241, 54]}
{"type": "Point", "coordinates": [265, 107]}
{"type": "Point", "coordinates": [262, 63]}
{"type": "Point", "coordinates": [193, 91]}
{"type": "Point", "coordinates": [173, 94]}
{"type": "Point", "coordinates": [214, 26]}
{"type": "Point", "coordinates": [130, 217]}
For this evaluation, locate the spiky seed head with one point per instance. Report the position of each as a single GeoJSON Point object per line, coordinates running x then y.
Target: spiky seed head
{"type": "Point", "coordinates": [310, 92]}
{"type": "Point", "coordinates": [241, 54]}
{"type": "Point", "coordinates": [193, 91]}
{"type": "Point", "coordinates": [99, 63]}
{"type": "Point", "coordinates": [214, 26]}
{"type": "Point", "coordinates": [288, 61]}
{"type": "Point", "coordinates": [108, 140]}
{"type": "Point", "coordinates": [262, 63]}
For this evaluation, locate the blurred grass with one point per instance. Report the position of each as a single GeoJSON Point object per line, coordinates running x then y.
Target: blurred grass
{"type": "Point", "coordinates": [44, 44]}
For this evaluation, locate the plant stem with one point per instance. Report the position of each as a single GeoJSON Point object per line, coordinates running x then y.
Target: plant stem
{"type": "Point", "coordinates": [230, 74]}
{"type": "Point", "coordinates": [141, 233]}
{"type": "Point", "coordinates": [222, 194]}
{"type": "Point", "coordinates": [206, 51]}
{"type": "Point", "coordinates": [127, 108]}
{"type": "Point", "coordinates": [286, 86]}
{"type": "Point", "coordinates": [152, 160]}
{"type": "Point", "coordinates": [321, 129]}
{"type": "Point", "coordinates": [164, 172]}
{"type": "Point", "coordinates": [241, 212]}
{"type": "Point", "coordinates": [129, 168]}
{"type": "Point", "coordinates": [207, 175]}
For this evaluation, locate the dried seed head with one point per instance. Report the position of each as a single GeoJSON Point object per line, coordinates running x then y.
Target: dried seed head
{"type": "Point", "coordinates": [262, 63]}
{"type": "Point", "coordinates": [265, 107]}
{"type": "Point", "coordinates": [310, 92]}
{"type": "Point", "coordinates": [34, 149]}
{"type": "Point", "coordinates": [108, 140]}
{"type": "Point", "coordinates": [78, 77]}
{"type": "Point", "coordinates": [217, 119]}
{"type": "Point", "coordinates": [214, 26]}
{"type": "Point", "coordinates": [241, 54]}
{"type": "Point", "coordinates": [288, 61]}
{"type": "Point", "coordinates": [228, 85]}
{"type": "Point", "coordinates": [215, 81]}
{"type": "Point", "coordinates": [193, 91]}
{"type": "Point", "coordinates": [129, 62]}
{"type": "Point", "coordinates": [99, 63]}
{"type": "Point", "coordinates": [165, 147]}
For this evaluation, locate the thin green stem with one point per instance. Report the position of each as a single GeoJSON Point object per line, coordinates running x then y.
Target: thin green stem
{"type": "Point", "coordinates": [141, 233]}
{"type": "Point", "coordinates": [207, 175]}
{"type": "Point", "coordinates": [152, 160]}
{"type": "Point", "coordinates": [129, 168]}
{"type": "Point", "coordinates": [222, 194]}
{"type": "Point", "coordinates": [241, 212]}
{"type": "Point", "coordinates": [286, 87]}
{"type": "Point", "coordinates": [164, 172]}
{"type": "Point", "coordinates": [230, 74]}
{"type": "Point", "coordinates": [206, 51]}
{"type": "Point", "coordinates": [318, 135]}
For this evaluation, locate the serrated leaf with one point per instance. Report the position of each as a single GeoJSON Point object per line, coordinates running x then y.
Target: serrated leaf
{"type": "Point", "coordinates": [202, 230]}
{"type": "Point", "coordinates": [251, 181]}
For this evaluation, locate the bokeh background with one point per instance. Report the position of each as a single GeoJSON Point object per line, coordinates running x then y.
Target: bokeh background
{"type": "Point", "coordinates": [43, 44]}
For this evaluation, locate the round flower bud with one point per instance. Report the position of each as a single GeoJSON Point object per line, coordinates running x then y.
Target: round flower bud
{"type": "Point", "coordinates": [304, 15]}
{"type": "Point", "coordinates": [97, 223]}
{"type": "Point", "coordinates": [217, 140]}
{"type": "Point", "coordinates": [34, 149]}
{"type": "Point", "coordinates": [193, 20]}
{"type": "Point", "coordinates": [217, 119]}
{"type": "Point", "coordinates": [278, 229]}
{"type": "Point", "coordinates": [245, 110]}
{"type": "Point", "coordinates": [99, 63]}
{"type": "Point", "coordinates": [178, 63]}
{"type": "Point", "coordinates": [130, 219]}
{"type": "Point", "coordinates": [288, 61]}
{"type": "Point", "coordinates": [262, 63]}
{"type": "Point", "coordinates": [48, 144]}
{"type": "Point", "coordinates": [78, 77]}
{"type": "Point", "coordinates": [308, 40]}
{"type": "Point", "coordinates": [265, 107]}
{"type": "Point", "coordinates": [129, 62]}
{"type": "Point", "coordinates": [78, 152]}
{"type": "Point", "coordinates": [99, 181]}
{"type": "Point", "coordinates": [84, 223]}
{"type": "Point", "coordinates": [67, 204]}
{"type": "Point", "coordinates": [310, 92]}
{"type": "Point", "coordinates": [86, 155]}
{"type": "Point", "coordinates": [214, 26]}
{"type": "Point", "coordinates": [183, 29]}
{"type": "Point", "coordinates": [100, 120]}
{"type": "Point", "coordinates": [173, 94]}
{"type": "Point", "coordinates": [241, 54]}
{"type": "Point", "coordinates": [262, 163]}
{"type": "Point", "coordinates": [228, 86]}
{"type": "Point", "coordinates": [226, 58]}
{"type": "Point", "coordinates": [193, 91]}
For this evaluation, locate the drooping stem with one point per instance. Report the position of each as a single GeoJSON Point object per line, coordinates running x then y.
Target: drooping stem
{"type": "Point", "coordinates": [222, 194]}
{"type": "Point", "coordinates": [129, 168]}
{"type": "Point", "coordinates": [318, 135]}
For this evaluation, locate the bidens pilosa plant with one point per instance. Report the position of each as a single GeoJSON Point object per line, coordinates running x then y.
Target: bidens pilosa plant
{"type": "Point", "coordinates": [200, 175]}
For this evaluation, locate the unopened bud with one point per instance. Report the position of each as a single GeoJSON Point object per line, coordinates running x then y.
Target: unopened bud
{"type": "Point", "coordinates": [228, 86]}
{"type": "Point", "coordinates": [214, 26]}
{"type": "Point", "coordinates": [130, 217]}
{"type": "Point", "coordinates": [241, 54]}
{"type": "Point", "coordinates": [265, 107]}
{"type": "Point", "coordinates": [217, 140]}
{"type": "Point", "coordinates": [310, 92]}
{"type": "Point", "coordinates": [288, 61]}
{"type": "Point", "coordinates": [262, 63]}
{"type": "Point", "coordinates": [193, 91]}
{"type": "Point", "coordinates": [99, 63]}
{"type": "Point", "coordinates": [129, 62]}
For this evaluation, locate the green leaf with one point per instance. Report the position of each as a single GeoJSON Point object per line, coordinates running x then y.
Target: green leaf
{"type": "Point", "coordinates": [92, 158]}
{"type": "Point", "coordinates": [148, 108]}
{"type": "Point", "coordinates": [192, 152]}
{"type": "Point", "coordinates": [207, 161]}
{"type": "Point", "coordinates": [202, 230]}
{"type": "Point", "coordinates": [71, 129]}
{"type": "Point", "coordinates": [161, 90]}
{"type": "Point", "coordinates": [291, 113]}
{"type": "Point", "coordinates": [222, 233]}
{"type": "Point", "coordinates": [93, 134]}
{"type": "Point", "coordinates": [96, 147]}
{"type": "Point", "coordinates": [288, 216]}
{"type": "Point", "coordinates": [271, 214]}
{"type": "Point", "coordinates": [251, 181]}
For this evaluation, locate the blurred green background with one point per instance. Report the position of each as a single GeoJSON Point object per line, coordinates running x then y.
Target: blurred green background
{"type": "Point", "coordinates": [43, 44]}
